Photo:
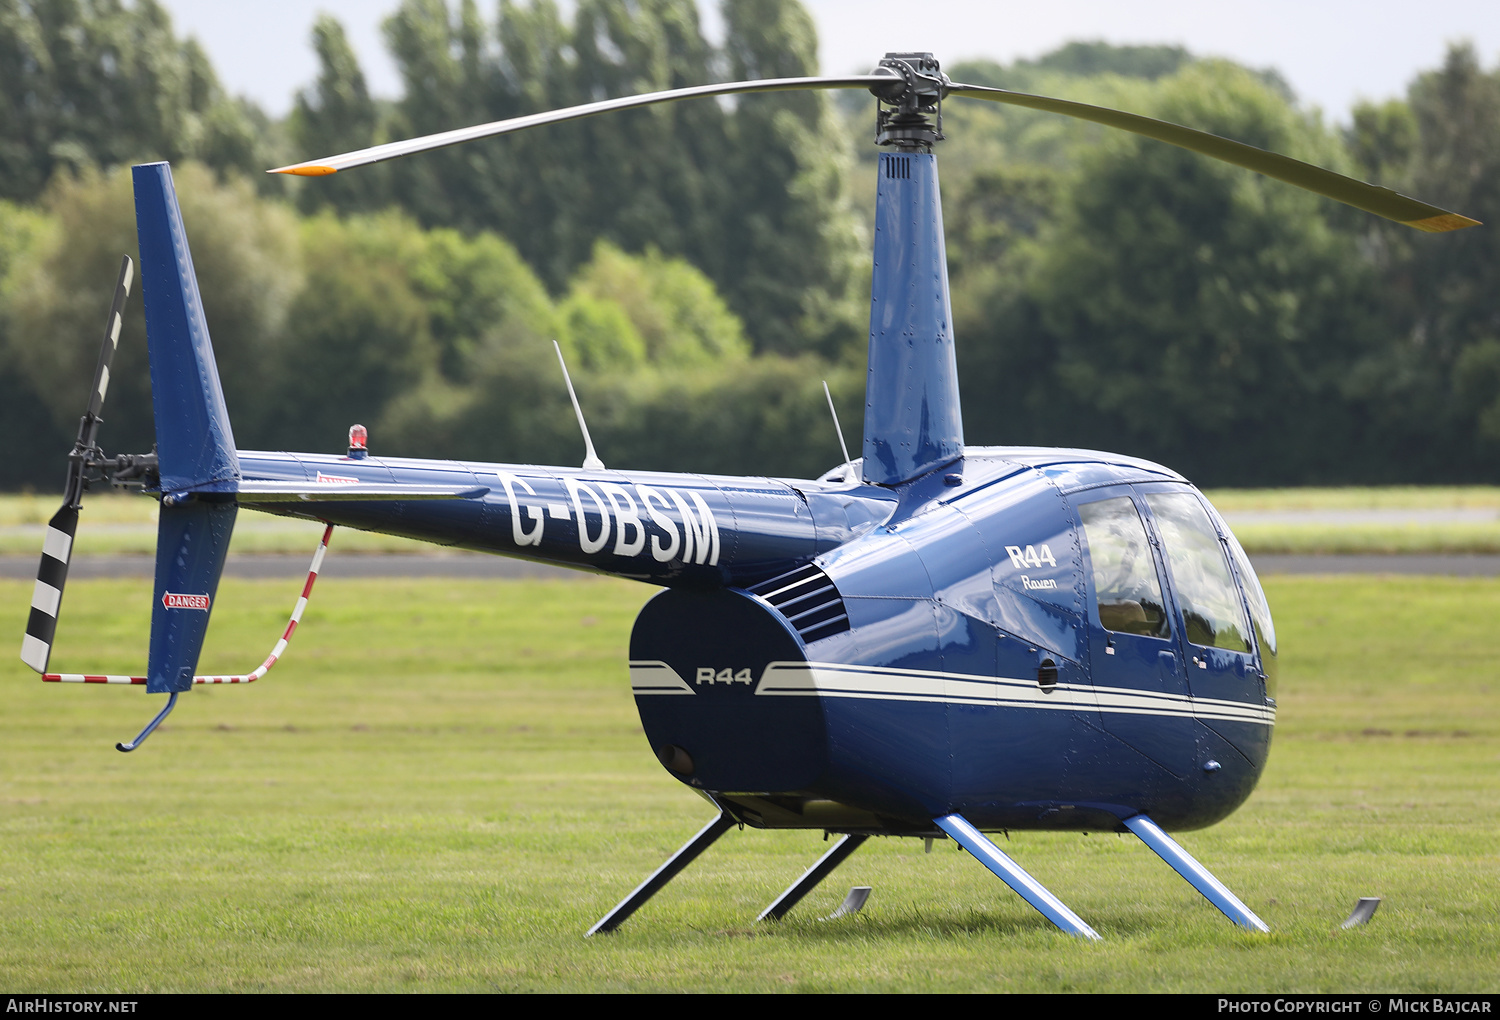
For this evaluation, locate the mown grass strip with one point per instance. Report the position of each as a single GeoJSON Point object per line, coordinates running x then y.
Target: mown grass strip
{"type": "Point", "coordinates": [446, 783]}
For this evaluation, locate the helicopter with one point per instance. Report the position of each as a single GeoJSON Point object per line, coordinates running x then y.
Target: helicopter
{"type": "Point", "coordinates": [932, 640]}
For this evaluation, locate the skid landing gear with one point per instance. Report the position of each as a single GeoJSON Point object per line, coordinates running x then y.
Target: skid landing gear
{"type": "Point", "coordinates": [1033, 892]}
{"type": "Point", "coordinates": [1013, 875]}
{"type": "Point", "coordinates": [968, 837]}
{"type": "Point", "coordinates": [701, 842]}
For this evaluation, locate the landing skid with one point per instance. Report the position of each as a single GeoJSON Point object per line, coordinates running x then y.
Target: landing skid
{"type": "Point", "coordinates": [1183, 863]}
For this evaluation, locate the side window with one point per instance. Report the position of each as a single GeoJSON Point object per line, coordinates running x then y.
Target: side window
{"type": "Point", "coordinates": [1260, 611]}
{"type": "Point", "coordinates": [1125, 580]}
{"type": "Point", "coordinates": [1212, 611]}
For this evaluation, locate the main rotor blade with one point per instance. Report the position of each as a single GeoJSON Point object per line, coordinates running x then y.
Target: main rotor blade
{"type": "Point", "coordinates": [393, 150]}
{"type": "Point", "coordinates": [1372, 199]}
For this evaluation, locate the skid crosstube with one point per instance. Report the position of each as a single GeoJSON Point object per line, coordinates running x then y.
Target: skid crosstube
{"type": "Point", "coordinates": [664, 874]}
{"type": "Point", "coordinates": [1013, 875]}
{"type": "Point", "coordinates": [1201, 879]}
{"type": "Point", "coordinates": [820, 870]}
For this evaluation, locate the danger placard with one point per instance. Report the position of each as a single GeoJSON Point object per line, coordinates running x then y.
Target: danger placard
{"type": "Point", "coordinates": [172, 600]}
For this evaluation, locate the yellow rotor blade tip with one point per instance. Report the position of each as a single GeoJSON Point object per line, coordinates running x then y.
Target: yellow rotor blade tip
{"type": "Point", "coordinates": [1443, 223]}
{"type": "Point", "coordinates": [307, 171]}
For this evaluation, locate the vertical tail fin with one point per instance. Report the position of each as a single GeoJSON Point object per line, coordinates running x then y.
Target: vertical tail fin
{"type": "Point", "coordinates": [193, 438]}
{"type": "Point", "coordinates": [194, 442]}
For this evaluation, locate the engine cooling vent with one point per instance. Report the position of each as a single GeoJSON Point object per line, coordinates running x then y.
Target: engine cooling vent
{"type": "Point", "coordinates": [808, 599]}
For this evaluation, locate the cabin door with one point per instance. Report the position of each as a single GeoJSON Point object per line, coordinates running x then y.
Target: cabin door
{"type": "Point", "coordinates": [1134, 656]}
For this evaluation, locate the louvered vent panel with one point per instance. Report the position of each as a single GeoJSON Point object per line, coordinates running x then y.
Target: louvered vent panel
{"type": "Point", "coordinates": [808, 599]}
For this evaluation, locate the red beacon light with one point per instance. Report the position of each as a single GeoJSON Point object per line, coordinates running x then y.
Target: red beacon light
{"type": "Point", "coordinates": [358, 437]}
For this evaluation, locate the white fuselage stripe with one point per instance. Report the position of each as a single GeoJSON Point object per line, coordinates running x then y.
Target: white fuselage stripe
{"type": "Point", "coordinates": [879, 683]}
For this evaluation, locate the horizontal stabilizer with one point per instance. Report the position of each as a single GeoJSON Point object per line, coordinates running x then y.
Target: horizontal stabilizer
{"type": "Point", "coordinates": [323, 492]}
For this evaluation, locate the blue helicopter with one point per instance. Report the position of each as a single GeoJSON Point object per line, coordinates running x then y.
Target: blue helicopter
{"type": "Point", "coordinates": [932, 640]}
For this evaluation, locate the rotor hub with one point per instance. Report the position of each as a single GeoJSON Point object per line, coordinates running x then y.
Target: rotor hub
{"type": "Point", "coordinates": [909, 114]}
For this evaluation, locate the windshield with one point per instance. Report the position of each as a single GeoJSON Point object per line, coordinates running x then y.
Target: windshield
{"type": "Point", "coordinates": [1212, 612]}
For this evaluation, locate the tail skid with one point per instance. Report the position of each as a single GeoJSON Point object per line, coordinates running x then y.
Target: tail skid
{"type": "Point", "coordinates": [243, 678]}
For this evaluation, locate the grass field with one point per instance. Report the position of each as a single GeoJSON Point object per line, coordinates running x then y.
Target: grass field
{"type": "Point", "coordinates": [445, 783]}
{"type": "Point", "coordinates": [120, 524]}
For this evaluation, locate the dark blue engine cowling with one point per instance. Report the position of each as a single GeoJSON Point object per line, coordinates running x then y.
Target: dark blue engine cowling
{"type": "Point", "coordinates": [696, 657]}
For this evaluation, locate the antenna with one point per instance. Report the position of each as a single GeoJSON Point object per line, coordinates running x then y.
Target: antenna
{"type": "Point", "coordinates": [849, 464]}
{"type": "Point", "coordinates": [591, 459]}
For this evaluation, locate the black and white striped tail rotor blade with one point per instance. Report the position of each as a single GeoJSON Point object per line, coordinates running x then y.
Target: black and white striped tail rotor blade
{"type": "Point", "coordinates": [88, 425]}
{"type": "Point", "coordinates": [57, 546]}
{"type": "Point", "coordinates": [111, 337]}
{"type": "Point", "coordinates": [46, 597]}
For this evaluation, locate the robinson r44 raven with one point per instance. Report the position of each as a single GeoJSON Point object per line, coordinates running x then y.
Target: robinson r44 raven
{"type": "Point", "coordinates": [932, 640]}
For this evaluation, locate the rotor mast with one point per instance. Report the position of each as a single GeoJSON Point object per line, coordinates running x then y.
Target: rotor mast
{"type": "Point", "coordinates": [913, 423]}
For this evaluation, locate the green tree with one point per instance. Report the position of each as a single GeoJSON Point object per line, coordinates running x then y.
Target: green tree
{"type": "Point", "coordinates": [682, 178]}
{"type": "Point", "coordinates": [390, 316]}
{"type": "Point", "coordinates": [246, 255]}
{"type": "Point", "coordinates": [795, 264]}
{"type": "Point", "coordinates": [93, 82]}
{"type": "Point", "coordinates": [35, 441]}
{"type": "Point", "coordinates": [766, 417]}
{"type": "Point", "coordinates": [356, 336]}
{"type": "Point", "coordinates": [1437, 386]}
{"type": "Point", "coordinates": [672, 314]}
{"type": "Point", "coordinates": [1181, 309]}
{"type": "Point", "coordinates": [336, 115]}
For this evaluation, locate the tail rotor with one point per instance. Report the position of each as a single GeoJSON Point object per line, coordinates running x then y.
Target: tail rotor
{"type": "Point", "coordinates": [85, 464]}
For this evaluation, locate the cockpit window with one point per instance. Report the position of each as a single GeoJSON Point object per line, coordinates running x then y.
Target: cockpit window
{"type": "Point", "coordinates": [1260, 610]}
{"type": "Point", "coordinates": [1212, 612]}
{"type": "Point", "coordinates": [1125, 580]}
